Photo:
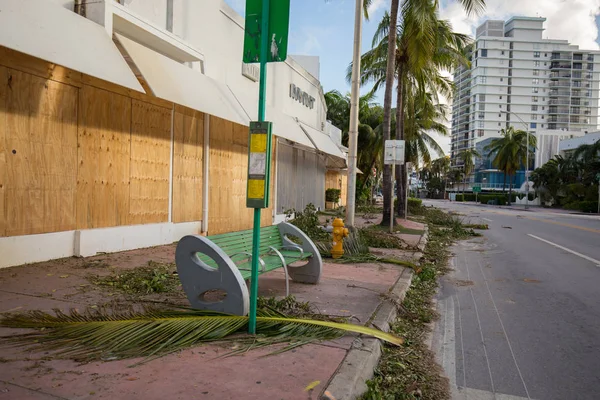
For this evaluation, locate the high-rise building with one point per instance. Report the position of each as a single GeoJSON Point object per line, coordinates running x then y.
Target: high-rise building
{"type": "Point", "coordinates": [517, 78]}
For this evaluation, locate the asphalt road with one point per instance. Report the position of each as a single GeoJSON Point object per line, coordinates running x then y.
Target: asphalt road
{"type": "Point", "coordinates": [520, 313]}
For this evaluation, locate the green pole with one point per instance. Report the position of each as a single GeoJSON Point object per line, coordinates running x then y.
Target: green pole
{"type": "Point", "coordinates": [262, 92]}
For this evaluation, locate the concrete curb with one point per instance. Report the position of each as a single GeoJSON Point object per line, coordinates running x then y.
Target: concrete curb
{"type": "Point", "coordinates": [424, 238]}
{"type": "Point", "coordinates": [350, 380]}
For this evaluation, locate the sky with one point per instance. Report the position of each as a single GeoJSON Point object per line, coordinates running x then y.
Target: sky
{"type": "Point", "coordinates": [325, 28]}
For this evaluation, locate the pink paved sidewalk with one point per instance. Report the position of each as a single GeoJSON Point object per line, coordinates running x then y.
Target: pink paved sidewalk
{"type": "Point", "coordinates": [190, 374]}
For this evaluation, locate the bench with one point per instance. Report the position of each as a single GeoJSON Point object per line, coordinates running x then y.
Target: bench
{"type": "Point", "coordinates": [223, 263]}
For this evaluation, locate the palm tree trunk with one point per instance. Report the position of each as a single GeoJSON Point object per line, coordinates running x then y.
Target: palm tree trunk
{"type": "Point", "coordinates": [400, 169]}
{"type": "Point", "coordinates": [504, 184]}
{"type": "Point", "coordinates": [387, 112]}
{"type": "Point", "coordinates": [509, 189]}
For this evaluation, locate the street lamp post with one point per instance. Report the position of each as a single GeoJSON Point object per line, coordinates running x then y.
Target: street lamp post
{"type": "Point", "coordinates": [527, 156]}
{"type": "Point", "coordinates": [354, 102]}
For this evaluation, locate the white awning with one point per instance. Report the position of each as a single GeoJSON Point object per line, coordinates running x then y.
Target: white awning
{"type": "Point", "coordinates": [284, 125]}
{"type": "Point", "coordinates": [323, 142]}
{"type": "Point", "coordinates": [175, 82]}
{"type": "Point", "coordinates": [45, 30]}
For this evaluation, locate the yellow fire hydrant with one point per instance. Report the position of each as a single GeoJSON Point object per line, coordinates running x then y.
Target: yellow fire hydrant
{"type": "Point", "coordinates": [339, 233]}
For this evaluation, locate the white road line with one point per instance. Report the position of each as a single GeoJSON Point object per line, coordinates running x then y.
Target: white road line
{"type": "Point", "coordinates": [503, 330]}
{"type": "Point", "coordinates": [565, 249]}
{"type": "Point", "coordinates": [462, 344]}
{"type": "Point", "coordinates": [487, 219]}
{"type": "Point", "coordinates": [487, 359]}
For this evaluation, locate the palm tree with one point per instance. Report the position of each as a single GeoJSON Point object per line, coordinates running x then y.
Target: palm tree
{"type": "Point", "coordinates": [468, 158]}
{"type": "Point", "coordinates": [388, 193]}
{"type": "Point", "coordinates": [425, 45]}
{"type": "Point", "coordinates": [510, 152]}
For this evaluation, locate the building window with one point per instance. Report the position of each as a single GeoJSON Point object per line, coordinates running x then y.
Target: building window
{"type": "Point", "coordinates": [545, 54]}
{"type": "Point", "coordinates": [536, 63]}
{"type": "Point", "coordinates": [535, 81]}
{"type": "Point", "coordinates": [536, 72]}
{"type": "Point", "coordinates": [534, 89]}
{"type": "Point", "coordinates": [542, 126]}
{"type": "Point", "coordinates": [544, 81]}
{"type": "Point", "coordinates": [542, 116]}
{"type": "Point", "coordinates": [502, 52]}
{"type": "Point", "coordinates": [500, 97]}
{"type": "Point", "coordinates": [480, 133]}
{"type": "Point", "coordinates": [482, 79]}
{"type": "Point", "coordinates": [536, 54]}
{"type": "Point", "coordinates": [483, 52]}
{"type": "Point", "coordinates": [534, 107]}
{"type": "Point", "coordinates": [499, 115]}
{"type": "Point", "coordinates": [482, 97]}
{"type": "Point", "coordinates": [499, 124]}
{"type": "Point", "coordinates": [534, 99]}
{"type": "Point", "coordinates": [533, 125]}
{"type": "Point", "coordinates": [501, 79]}
{"type": "Point", "coordinates": [534, 116]}
{"type": "Point", "coordinates": [543, 108]}
{"type": "Point", "coordinates": [481, 124]}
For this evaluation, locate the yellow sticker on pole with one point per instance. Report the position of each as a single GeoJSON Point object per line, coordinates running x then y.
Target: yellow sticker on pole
{"type": "Point", "coordinates": [258, 143]}
{"type": "Point", "coordinates": [256, 189]}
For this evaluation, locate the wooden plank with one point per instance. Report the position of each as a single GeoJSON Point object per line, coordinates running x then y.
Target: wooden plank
{"type": "Point", "coordinates": [188, 165]}
{"type": "Point", "coordinates": [38, 67]}
{"type": "Point", "coordinates": [104, 141]}
{"type": "Point", "coordinates": [3, 150]}
{"type": "Point", "coordinates": [40, 172]}
{"type": "Point", "coordinates": [150, 159]}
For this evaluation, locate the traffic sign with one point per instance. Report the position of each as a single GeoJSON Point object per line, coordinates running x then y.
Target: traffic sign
{"type": "Point", "coordinates": [476, 188]}
{"type": "Point", "coordinates": [394, 152]}
{"type": "Point", "coordinates": [279, 24]}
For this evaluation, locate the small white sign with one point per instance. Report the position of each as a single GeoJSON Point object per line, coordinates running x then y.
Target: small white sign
{"type": "Point", "coordinates": [394, 152]}
{"type": "Point", "coordinates": [257, 164]}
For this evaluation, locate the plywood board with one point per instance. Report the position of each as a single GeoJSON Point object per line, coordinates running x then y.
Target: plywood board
{"type": "Point", "coordinates": [150, 160]}
{"type": "Point", "coordinates": [104, 141]}
{"type": "Point", "coordinates": [228, 178]}
{"type": "Point", "coordinates": [41, 137]}
{"type": "Point", "coordinates": [188, 142]}
{"type": "Point", "coordinates": [3, 151]}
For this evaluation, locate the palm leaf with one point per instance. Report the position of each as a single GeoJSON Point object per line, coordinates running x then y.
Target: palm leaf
{"type": "Point", "coordinates": [129, 334]}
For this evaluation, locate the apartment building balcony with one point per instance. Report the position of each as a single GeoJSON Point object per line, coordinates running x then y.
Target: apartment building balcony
{"type": "Point", "coordinates": [554, 118]}
{"type": "Point", "coordinates": [558, 110]}
{"type": "Point", "coordinates": [559, 101]}
{"type": "Point", "coordinates": [555, 92]}
{"type": "Point", "coordinates": [560, 83]}
{"type": "Point", "coordinates": [561, 56]}
{"type": "Point", "coordinates": [558, 126]}
{"type": "Point", "coordinates": [562, 74]}
{"type": "Point", "coordinates": [560, 65]}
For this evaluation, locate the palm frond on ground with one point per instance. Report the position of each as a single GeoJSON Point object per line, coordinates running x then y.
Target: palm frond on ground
{"type": "Point", "coordinates": [106, 335]}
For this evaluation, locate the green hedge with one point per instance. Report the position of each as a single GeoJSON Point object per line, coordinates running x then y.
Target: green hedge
{"type": "Point", "coordinates": [583, 206]}
{"type": "Point", "coordinates": [489, 198]}
{"type": "Point", "coordinates": [414, 205]}
{"type": "Point", "coordinates": [465, 197]}
{"type": "Point", "coordinates": [333, 195]}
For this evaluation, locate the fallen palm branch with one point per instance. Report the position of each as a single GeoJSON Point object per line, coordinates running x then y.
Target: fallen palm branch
{"type": "Point", "coordinates": [103, 335]}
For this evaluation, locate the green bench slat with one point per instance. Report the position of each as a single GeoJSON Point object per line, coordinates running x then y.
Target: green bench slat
{"type": "Point", "coordinates": [240, 242]}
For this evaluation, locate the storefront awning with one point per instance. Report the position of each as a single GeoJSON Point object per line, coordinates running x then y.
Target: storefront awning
{"type": "Point", "coordinates": [175, 82]}
{"type": "Point", "coordinates": [323, 142]}
{"type": "Point", "coordinates": [284, 126]}
{"type": "Point", "coordinates": [45, 30]}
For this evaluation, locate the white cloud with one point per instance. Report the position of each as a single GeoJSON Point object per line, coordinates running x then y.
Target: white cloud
{"type": "Point", "coordinates": [307, 40]}
{"type": "Point", "coordinates": [377, 5]}
{"type": "Point", "coordinates": [573, 20]}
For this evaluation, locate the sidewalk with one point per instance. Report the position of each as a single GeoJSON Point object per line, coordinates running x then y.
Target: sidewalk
{"type": "Point", "coordinates": [347, 290]}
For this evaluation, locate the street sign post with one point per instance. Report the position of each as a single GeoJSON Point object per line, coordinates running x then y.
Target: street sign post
{"type": "Point", "coordinates": [476, 190]}
{"type": "Point", "coordinates": [278, 18]}
{"type": "Point", "coordinates": [265, 40]}
{"type": "Point", "coordinates": [393, 155]}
